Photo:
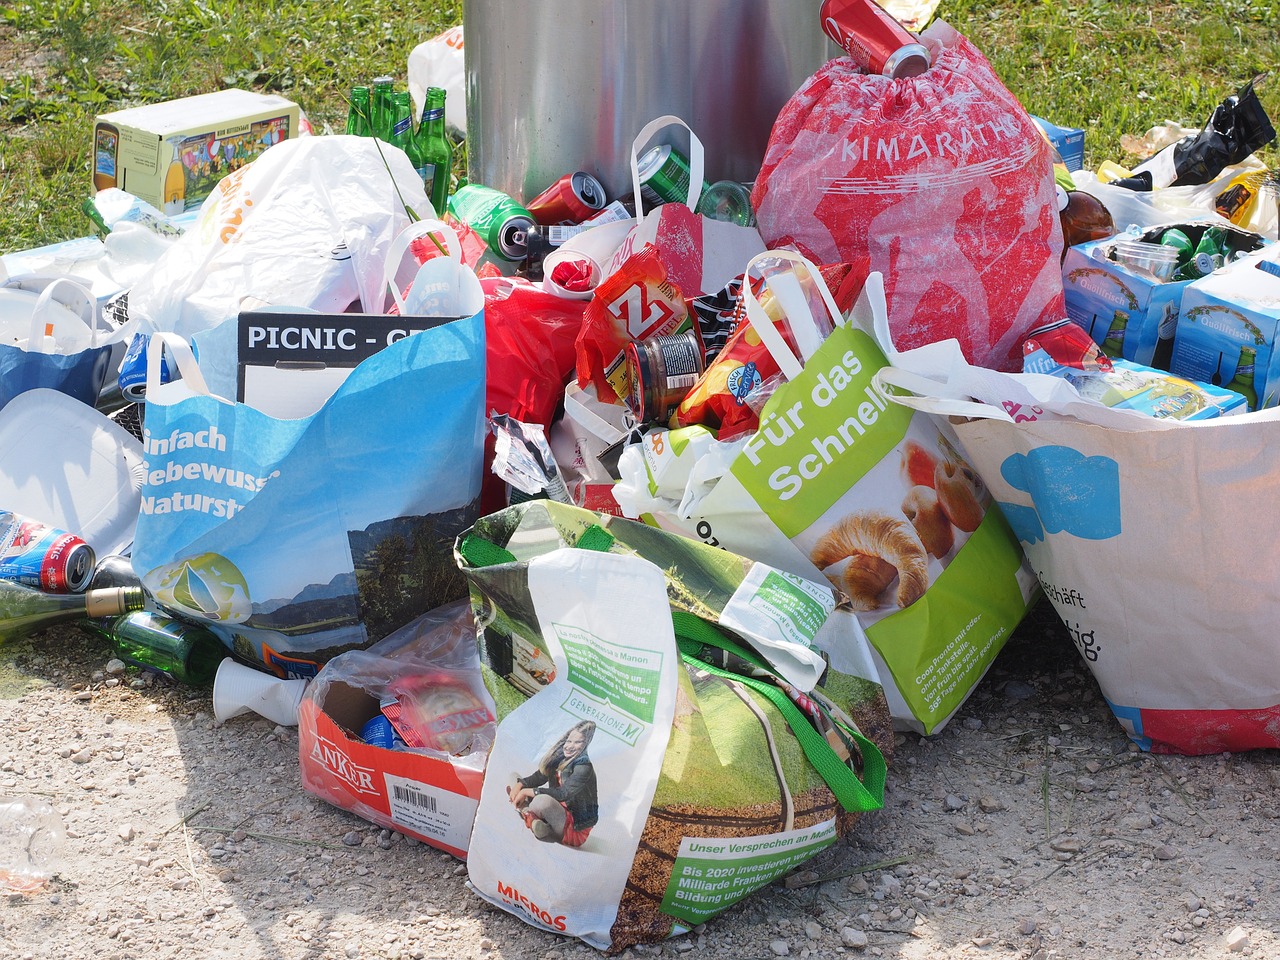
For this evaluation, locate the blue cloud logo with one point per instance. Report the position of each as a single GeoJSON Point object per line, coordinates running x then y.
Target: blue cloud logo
{"type": "Point", "coordinates": [1070, 493]}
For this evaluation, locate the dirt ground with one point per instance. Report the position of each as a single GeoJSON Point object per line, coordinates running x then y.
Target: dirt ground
{"type": "Point", "coordinates": [1029, 828]}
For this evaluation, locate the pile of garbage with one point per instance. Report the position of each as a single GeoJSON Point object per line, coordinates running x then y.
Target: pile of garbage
{"type": "Point", "coordinates": [576, 519]}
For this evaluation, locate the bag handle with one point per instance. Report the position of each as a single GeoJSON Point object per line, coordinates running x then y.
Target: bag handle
{"type": "Point", "coordinates": [180, 350]}
{"type": "Point", "coordinates": [400, 244]}
{"type": "Point", "coordinates": [82, 303]}
{"type": "Point", "coordinates": [791, 299]}
{"type": "Point", "coordinates": [696, 158]}
{"type": "Point", "coordinates": [693, 633]}
{"type": "Point", "coordinates": [922, 394]}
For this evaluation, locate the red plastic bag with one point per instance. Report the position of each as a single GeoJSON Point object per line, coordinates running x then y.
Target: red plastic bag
{"type": "Point", "coordinates": [943, 180]}
{"type": "Point", "coordinates": [530, 336]}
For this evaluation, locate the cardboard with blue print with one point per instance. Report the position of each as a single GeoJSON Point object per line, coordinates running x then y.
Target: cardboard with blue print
{"type": "Point", "coordinates": [1154, 539]}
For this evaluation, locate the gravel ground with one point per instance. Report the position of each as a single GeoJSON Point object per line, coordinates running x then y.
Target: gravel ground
{"type": "Point", "coordinates": [1029, 828]}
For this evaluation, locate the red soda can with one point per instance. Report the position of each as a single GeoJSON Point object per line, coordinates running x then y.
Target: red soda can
{"type": "Point", "coordinates": [571, 199]}
{"type": "Point", "coordinates": [876, 42]}
{"type": "Point", "coordinates": [43, 557]}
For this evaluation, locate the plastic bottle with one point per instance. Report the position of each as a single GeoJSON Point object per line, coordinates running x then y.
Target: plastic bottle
{"type": "Point", "coordinates": [24, 610]}
{"type": "Point", "coordinates": [31, 840]}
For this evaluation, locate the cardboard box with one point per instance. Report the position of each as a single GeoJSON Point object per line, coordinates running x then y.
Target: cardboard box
{"type": "Point", "coordinates": [1231, 317]}
{"type": "Point", "coordinates": [172, 154]}
{"type": "Point", "coordinates": [1068, 141]}
{"type": "Point", "coordinates": [419, 795]}
{"type": "Point", "coordinates": [1105, 297]}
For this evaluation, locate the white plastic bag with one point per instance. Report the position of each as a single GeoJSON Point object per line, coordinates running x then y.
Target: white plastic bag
{"type": "Point", "coordinates": [439, 62]}
{"type": "Point", "coordinates": [307, 224]}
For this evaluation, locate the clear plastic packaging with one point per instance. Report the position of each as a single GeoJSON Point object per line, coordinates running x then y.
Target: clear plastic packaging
{"type": "Point", "coordinates": [32, 837]}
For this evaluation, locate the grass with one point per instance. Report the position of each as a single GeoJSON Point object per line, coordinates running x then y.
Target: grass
{"type": "Point", "coordinates": [1112, 68]}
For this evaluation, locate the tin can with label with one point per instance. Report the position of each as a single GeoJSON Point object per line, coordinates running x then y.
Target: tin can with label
{"type": "Point", "coordinates": [874, 39]}
{"type": "Point", "coordinates": [664, 176]}
{"type": "Point", "coordinates": [501, 222]}
{"type": "Point", "coordinates": [661, 371]}
{"type": "Point", "coordinates": [44, 557]}
{"type": "Point", "coordinates": [133, 368]}
{"type": "Point", "coordinates": [571, 199]}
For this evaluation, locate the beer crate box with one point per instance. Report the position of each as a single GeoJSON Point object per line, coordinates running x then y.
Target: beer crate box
{"type": "Point", "coordinates": [1230, 318]}
{"type": "Point", "coordinates": [172, 154]}
{"type": "Point", "coordinates": [419, 795]}
{"type": "Point", "coordinates": [1105, 297]}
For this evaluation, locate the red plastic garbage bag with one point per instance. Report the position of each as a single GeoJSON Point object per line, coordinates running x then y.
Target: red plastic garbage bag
{"type": "Point", "coordinates": [530, 336]}
{"type": "Point", "coordinates": [943, 180]}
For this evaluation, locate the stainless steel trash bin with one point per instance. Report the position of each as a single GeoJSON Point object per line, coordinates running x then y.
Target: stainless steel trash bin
{"type": "Point", "coordinates": [555, 86]}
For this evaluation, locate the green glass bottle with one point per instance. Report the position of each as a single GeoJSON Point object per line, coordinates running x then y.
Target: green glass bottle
{"type": "Point", "coordinates": [1113, 343]}
{"type": "Point", "coordinates": [25, 610]}
{"type": "Point", "coordinates": [401, 120]}
{"type": "Point", "coordinates": [380, 90]}
{"type": "Point", "coordinates": [432, 151]}
{"type": "Point", "coordinates": [188, 653]}
{"type": "Point", "coordinates": [359, 113]}
{"type": "Point", "coordinates": [1242, 382]}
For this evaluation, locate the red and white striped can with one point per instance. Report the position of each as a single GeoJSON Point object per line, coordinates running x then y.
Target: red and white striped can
{"type": "Point", "coordinates": [873, 38]}
{"type": "Point", "coordinates": [571, 199]}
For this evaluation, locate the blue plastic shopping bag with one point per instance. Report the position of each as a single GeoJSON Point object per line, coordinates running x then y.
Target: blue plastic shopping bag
{"type": "Point", "coordinates": [297, 539]}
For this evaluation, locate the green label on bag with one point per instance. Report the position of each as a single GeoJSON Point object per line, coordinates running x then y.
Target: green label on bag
{"type": "Point", "coordinates": [789, 602]}
{"type": "Point", "coordinates": [820, 433]}
{"type": "Point", "coordinates": [938, 648]}
{"type": "Point", "coordinates": [712, 873]}
{"type": "Point", "coordinates": [625, 677]}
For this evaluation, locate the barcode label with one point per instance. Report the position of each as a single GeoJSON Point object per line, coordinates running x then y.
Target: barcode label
{"type": "Point", "coordinates": [433, 813]}
{"type": "Point", "coordinates": [412, 797]}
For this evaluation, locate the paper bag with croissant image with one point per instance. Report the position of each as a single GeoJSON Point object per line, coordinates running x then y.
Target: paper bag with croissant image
{"type": "Point", "coordinates": [838, 482]}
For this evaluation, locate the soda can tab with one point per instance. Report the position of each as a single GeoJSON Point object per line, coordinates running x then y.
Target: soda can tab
{"type": "Point", "coordinates": [573, 198]}
{"type": "Point", "coordinates": [874, 39]}
{"type": "Point", "coordinates": [43, 557]}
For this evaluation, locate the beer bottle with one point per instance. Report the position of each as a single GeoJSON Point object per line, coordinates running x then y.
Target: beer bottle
{"type": "Point", "coordinates": [1242, 382]}
{"type": "Point", "coordinates": [24, 610]}
{"type": "Point", "coordinates": [432, 151]}
{"type": "Point", "coordinates": [401, 120]}
{"type": "Point", "coordinates": [1113, 344]}
{"type": "Point", "coordinates": [188, 653]}
{"type": "Point", "coordinates": [359, 123]}
{"type": "Point", "coordinates": [380, 106]}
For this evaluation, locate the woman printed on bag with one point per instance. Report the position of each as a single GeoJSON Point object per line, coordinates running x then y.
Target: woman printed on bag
{"type": "Point", "coordinates": [558, 800]}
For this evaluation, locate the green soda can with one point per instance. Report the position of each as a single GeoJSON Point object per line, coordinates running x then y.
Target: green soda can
{"type": "Point", "coordinates": [502, 223]}
{"type": "Point", "coordinates": [664, 176]}
{"type": "Point", "coordinates": [1173, 237]}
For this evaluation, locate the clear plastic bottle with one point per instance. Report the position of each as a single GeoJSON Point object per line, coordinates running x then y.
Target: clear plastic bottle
{"type": "Point", "coordinates": [32, 836]}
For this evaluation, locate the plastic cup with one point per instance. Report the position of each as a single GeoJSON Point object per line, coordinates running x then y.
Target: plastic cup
{"type": "Point", "coordinates": [239, 689]}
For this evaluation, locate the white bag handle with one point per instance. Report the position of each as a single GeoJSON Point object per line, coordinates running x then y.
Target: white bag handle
{"type": "Point", "coordinates": [180, 350]}
{"type": "Point", "coordinates": [696, 157]}
{"type": "Point", "coordinates": [791, 298]}
{"type": "Point", "coordinates": [922, 396]}
{"type": "Point", "coordinates": [396, 252]}
{"type": "Point", "coordinates": [79, 301]}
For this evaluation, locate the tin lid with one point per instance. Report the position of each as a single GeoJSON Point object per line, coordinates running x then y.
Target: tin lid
{"type": "Point", "coordinates": [652, 160]}
{"type": "Point", "coordinates": [910, 60]}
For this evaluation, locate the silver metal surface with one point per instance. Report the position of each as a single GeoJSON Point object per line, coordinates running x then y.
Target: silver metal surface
{"type": "Point", "coordinates": [555, 86]}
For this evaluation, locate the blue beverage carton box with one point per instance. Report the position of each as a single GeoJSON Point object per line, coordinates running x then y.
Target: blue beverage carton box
{"type": "Point", "coordinates": [1227, 333]}
{"type": "Point", "coordinates": [1068, 141]}
{"type": "Point", "coordinates": [1132, 307]}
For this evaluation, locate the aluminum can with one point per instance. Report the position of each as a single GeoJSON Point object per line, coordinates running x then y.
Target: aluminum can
{"type": "Point", "coordinates": [661, 371]}
{"type": "Point", "coordinates": [873, 38]}
{"type": "Point", "coordinates": [664, 176]}
{"type": "Point", "coordinates": [502, 223]}
{"type": "Point", "coordinates": [571, 199]}
{"type": "Point", "coordinates": [44, 557]}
